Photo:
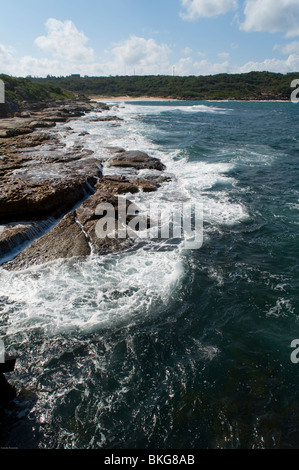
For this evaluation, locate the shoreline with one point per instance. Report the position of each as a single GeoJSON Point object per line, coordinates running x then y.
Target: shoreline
{"type": "Point", "coordinates": [152, 98]}
{"type": "Point", "coordinates": [131, 98]}
{"type": "Point", "coordinates": [51, 191]}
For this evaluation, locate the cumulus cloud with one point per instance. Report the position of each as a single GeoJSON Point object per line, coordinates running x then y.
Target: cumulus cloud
{"type": "Point", "coordinates": [271, 65]}
{"type": "Point", "coordinates": [6, 58]}
{"type": "Point", "coordinates": [187, 66]}
{"type": "Point", "coordinates": [207, 8]}
{"type": "Point", "coordinates": [187, 51]}
{"type": "Point", "coordinates": [144, 55]}
{"type": "Point", "coordinates": [224, 55]}
{"type": "Point", "coordinates": [64, 41]}
{"type": "Point", "coordinates": [272, 16]}
{"type": "Point", "coordinates": [66, 52]}
{"type": "Point", "coordinates": [292, 48]}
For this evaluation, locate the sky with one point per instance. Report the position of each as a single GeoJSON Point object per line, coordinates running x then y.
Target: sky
{"type": "Point", "coordinates": [148, 37]}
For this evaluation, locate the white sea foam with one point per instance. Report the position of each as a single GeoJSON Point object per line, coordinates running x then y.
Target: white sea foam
{"type": "Point", "coordinates": [89, 295]}
{"type": "Point", "coordinates": [100, 292]}
{"type": "Point", "coordinates": [282, 308]}
{"type": "Point", "coordinates": [133, 108]}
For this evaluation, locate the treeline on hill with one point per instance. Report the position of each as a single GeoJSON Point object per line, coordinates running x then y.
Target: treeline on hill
{"type": "Point", "coordinates": [253, 85]}
{"type": "Point", "coordinates": [19, 91]}
{"type": "Point", "coordinates": [24, 89]}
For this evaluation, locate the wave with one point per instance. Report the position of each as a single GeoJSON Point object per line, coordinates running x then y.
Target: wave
{"type": "Point", "coordinates": [172, 107]}
{"type": "Point", "coordinates": [112, 290]}
{"type": "Point", "coordinates": [85, 296]}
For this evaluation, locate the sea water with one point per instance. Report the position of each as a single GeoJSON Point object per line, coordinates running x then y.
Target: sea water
{"type": "Point", "coordinates": [171, 348]}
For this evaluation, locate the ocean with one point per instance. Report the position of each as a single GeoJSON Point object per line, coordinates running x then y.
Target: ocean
{"type": "Point", "coordinates": [161, 347]}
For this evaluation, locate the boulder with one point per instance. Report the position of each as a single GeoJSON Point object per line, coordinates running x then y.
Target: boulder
{"type": "Point", "coordinates": [119, 184]}
{"type": "Point", "coordinates": [88, 216]}
{"type": "Point", "coordinates": [13, 127]}
{"type": "Point", "coordinates": [40, 190]}
{"type": "Point", "coordinates": [105, 119]}
{"type": "Point", "coordinates": [15, 131]}
{"type": "Point", "coordinates": [66, 240]}
{"type": "Point", "coordinates": [137, 160]}
{"type": "Point", "coordinates": [115, 149]}
{"type": "Point", "coordinates": [13, 235]}
{"type": "Point", "coordinates": [41, 124]}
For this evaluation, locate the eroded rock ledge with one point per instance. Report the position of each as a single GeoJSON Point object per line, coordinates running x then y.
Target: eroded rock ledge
{"type": "Point", "coordinates": [48, 187]}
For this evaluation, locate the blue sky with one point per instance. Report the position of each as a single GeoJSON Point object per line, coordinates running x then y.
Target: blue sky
{"type": "Point", "coordinates": [123, 37]}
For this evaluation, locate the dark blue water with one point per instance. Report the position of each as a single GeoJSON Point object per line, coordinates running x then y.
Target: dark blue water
{"type": "Point", "coordinates": [209, 366]}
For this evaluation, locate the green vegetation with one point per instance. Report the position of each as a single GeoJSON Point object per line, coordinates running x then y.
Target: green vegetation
{"type": "Point", "coordinates": [253, 85]}
{"type": "Point", "coordinates": [18, 90]}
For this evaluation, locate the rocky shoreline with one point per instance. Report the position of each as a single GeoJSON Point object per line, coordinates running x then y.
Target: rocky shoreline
{"type": "Point", "coordinates": [50, 191]}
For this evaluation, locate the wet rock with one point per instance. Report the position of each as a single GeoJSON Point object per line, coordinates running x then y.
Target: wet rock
{"type": "Point", "coordinates": [66, 240]}
{"type": "Point", "coordinates": [15, 131]}
{"type": "Point", "coordinates": [42, 124]}
{"type": "Point", "coordinates": [137, 160]}
{"type": "Point", "coordinates": [11, 145]}
{"type": "Point", "coordinates": [12, 236]}
{"type": "Point", "coordinates": [115, 149]}
{"type": "Point", "coordinates": [147, 186]}
{"type": "Point", "coordinates": [24, 114]}
{"type": "Point", "coordinates": [88, 215]}
{"type": "Point", "coordinates": [51, 112]}
{"type": "Point", "coordinates": [44, 189]}
{"type": "Point", "coordinates": [119, 184]}
{"type": "Point", "coordinates": [14, 126]}
{"type": "Point", "coordinates": [105, 119]}
{"type": "Point", "coordinates": [41, 177]}
{"type": "Point", "coordinates": [159, 179]}
{"type": "Point", "coordinates": [41, 148]}
{"type": "Point", "coordinates": [101, 106]}
{"type": "Point", "coordinates": [55, 118]}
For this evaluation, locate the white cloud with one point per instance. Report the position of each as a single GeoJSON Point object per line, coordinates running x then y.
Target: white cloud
{"type": "Point", "coordinates": [6, 58]}
{"type": "Point", "coordinates": [272, 16]}
{"type": "Point", "coordinates": [292, 48]}
{"type": "Point", "coordinates": [146, 56]}
{"type": "Point", "coordinates": [187, 51]}
{"type": "Point", "coordinates": [188, 66]}
{"type": "Point", "coordinates": [64, 41]}
{"type": "Point", "coordinates": [224, 55]}
{"type": "Point", "coordinates": [271, 65]}
{"type": "Point", "coordinates": [69, 54]}
{"type": "Point", "coordinates": [207, 8]}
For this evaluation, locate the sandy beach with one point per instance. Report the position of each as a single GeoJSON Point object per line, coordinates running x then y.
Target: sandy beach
{"type": "Point", "coordinates": [130, 98]}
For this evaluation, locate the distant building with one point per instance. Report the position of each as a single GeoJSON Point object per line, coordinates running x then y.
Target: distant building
{"type": "Point", "coordinates": [75, 75]}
